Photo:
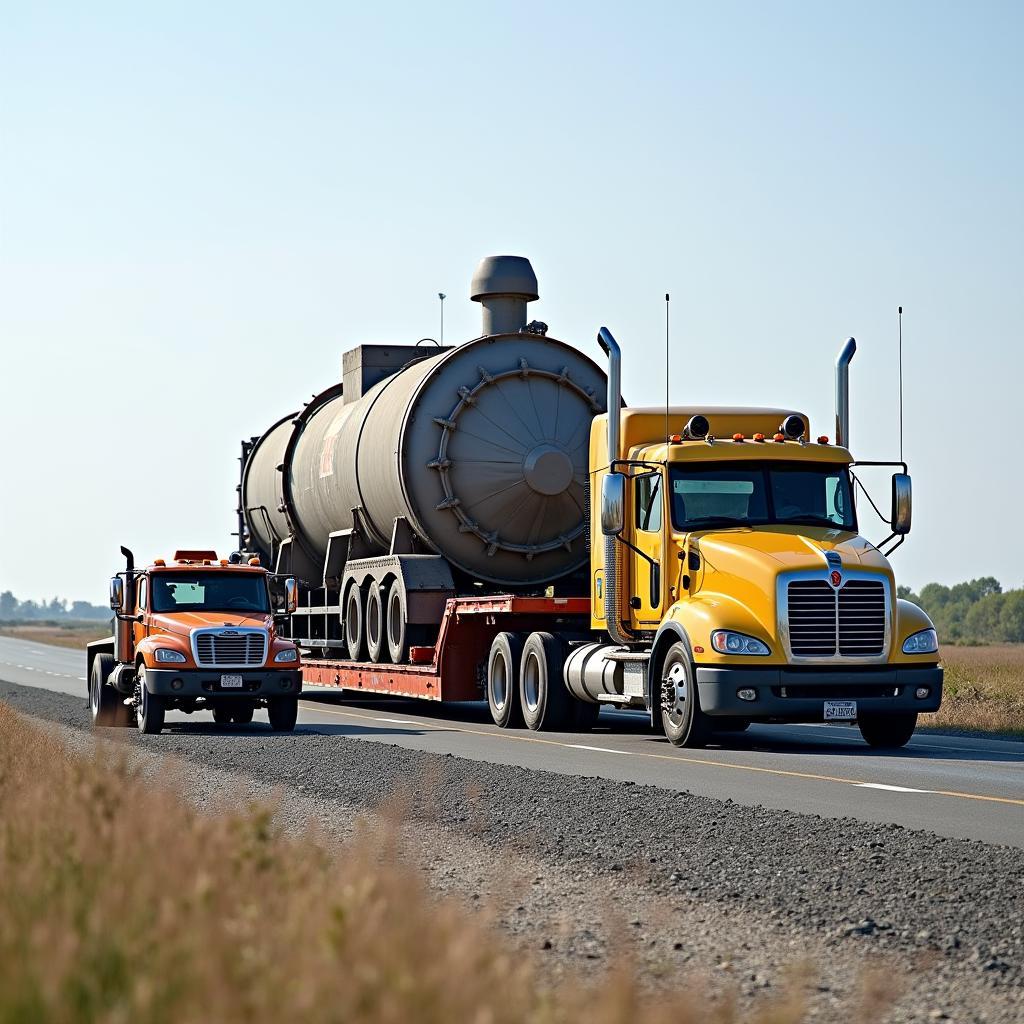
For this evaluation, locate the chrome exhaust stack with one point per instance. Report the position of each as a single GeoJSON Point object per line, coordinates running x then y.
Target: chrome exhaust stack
{"type": "Point", "coordinates": [843, 392]}
{"type": "Point", "coordinates": [613, 489]}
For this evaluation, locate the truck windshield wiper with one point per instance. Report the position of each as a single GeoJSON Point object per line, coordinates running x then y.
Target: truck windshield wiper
{"type": "Point", "coordinates": [812, 521]}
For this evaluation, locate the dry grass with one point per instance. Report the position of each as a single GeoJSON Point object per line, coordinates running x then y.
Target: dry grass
{"type": "Point", "coordinates": [984, 690]}
{"type": "Point", "coordinates": [121, 903]}
{"type": "Point", "coordinates": [71, 634]}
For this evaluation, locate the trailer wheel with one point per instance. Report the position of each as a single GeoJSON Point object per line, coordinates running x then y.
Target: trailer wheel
{"type": "Point", "coordinates": [892, 730]}
{"type": "Point", "coordinates": [354, 621]}
{"type": "Point", "coordinates": [283, 712]}
{"type": "Point", "coordinates": [150, 707]}
{"type": "Point", "coordinates": [685, 724]}
{"type": "Point", "coordinates": [106, 705]}
{"type": "Point", "coordinates": [376, 637]}
{"type": "Point", "coordinates": [503, 664]}
{"type": "Point", "coordinates": [546, 702]}
{"type": "Point", "coordinates": [402, 634]}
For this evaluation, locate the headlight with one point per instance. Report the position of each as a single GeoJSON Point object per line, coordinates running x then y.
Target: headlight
{"type": "Point", "coordinates": [727, 642]}
{"type": "Point", "coordinates": [290, 655]}
{"type": "Point", "coordinates": [925, 642]}
{"type": "Point", "coordinates": [166, 654]}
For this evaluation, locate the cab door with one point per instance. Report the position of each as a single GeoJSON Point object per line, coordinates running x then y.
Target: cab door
{"type": "Point", "coordinates": [646, 596]}
{"type": "Point", "coordinates": [140, 630]}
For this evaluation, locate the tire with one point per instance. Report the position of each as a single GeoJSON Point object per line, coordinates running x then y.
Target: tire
{"type": "Point", "coordinates": [242, 715]}
{"type": "Point", "coordinates": [106, 705]}
{"type": "Point", "coordinates": [583, 715]}
{"type": "Point", "coordinates": [684, 722]}
{"type": "Point", "coordinates": [376, 627]}
{"type": "Point", "coordinates": [503, 664]}
{"type": "Point", "coordinates": [222, 716]}
{"type": "Point", "coordinates": [354, 619]}
{"type": "Point", "coordinates": [402, 634]}
{"type": "Point", "coordinates": [892, 731]}
{"type": "Point", "coordinates": [282, 712]}
{"type": "Point", "coordinates": [149, 714]}
{"type": "Point", "coordinates": [546, 703]}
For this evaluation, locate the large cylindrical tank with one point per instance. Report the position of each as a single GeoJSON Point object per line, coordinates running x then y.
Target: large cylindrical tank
{"type": "Point", "coordinates": [482, 448]}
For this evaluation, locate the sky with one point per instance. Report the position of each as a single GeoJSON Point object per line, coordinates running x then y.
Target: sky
{"type": "Point", "coordinates": [203, 205]}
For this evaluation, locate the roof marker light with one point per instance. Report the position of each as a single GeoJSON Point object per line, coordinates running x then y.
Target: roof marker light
{"type": "Point", "coordinates": [737, 437]}
{"type": "Point", "coordinates": [759, 437]}
{"type": "Point", "coordinates": [823, 439]}
{"type": "Point", "coordinates": [254, 561]}
{"type": "Point", "coordinates": [159, 561]}
{"type": "Point", "coordinates": [779, 438]}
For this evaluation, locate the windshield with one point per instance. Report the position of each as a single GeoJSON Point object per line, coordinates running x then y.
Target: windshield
{"type": "Point", "coordinates": [210, 592]}
{"type": "Point", "coordinates": [713, 495]}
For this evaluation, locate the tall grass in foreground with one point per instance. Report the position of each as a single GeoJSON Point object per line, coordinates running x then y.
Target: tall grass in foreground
{"type": "Point", "coordinates": [121, 903]}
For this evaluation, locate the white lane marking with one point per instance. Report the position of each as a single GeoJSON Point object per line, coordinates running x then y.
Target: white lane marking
{"type": "Point", "coordinates": [394, 721]}
{"type": "Point", "coordinates": [81, 679]}
{"type": "Point", "coordinates": [600, 750]}
{"type": "Point", "coordinates": [891, 789]}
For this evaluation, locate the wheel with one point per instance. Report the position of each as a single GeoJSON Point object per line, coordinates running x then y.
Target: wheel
{"type": "Point", "coordinates": [893, 730]}
{"type": "Point", "coordinates": [242, 714]}
{"type": "Point", "coordinates": [282, 712]}
{"type": "Point", "coordinates": [222, 715]}
{"type": "Point", "coordinates": [503, 665]}
{"type": "Point", "coordinates": [546, 703]}
{"type": "Point", "coordinates": [684, 722]}
{"type": "Point", "coordinates": [583, 715]}
{"type": "Point", "coordinates": [354, 621]}
{"type": "Point", "coordinates": [149, 708]}
{"type": "Point", "coordinates": [732, 725]}
{"type": "Point", "coordinates": [106, 705]}
{"type": "Point", "coordinates": [401, 633]}
{"type": "Point", "coordinates": [376, 636]}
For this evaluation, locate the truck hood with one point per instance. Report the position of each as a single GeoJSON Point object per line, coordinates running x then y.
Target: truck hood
{"type": "Point", "coordinates": [182, 623]}
{"type": "Point", "coordinates": [738, 560]}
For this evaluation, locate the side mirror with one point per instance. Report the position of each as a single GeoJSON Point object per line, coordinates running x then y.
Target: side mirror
{"type": "Point", "coordinates": [613, 503]}
{"type": "Point", "coordinates": [116, 593]}
{"type": "Point", "coordinates": [901, 504]}
{"type": "Point", "coordinates": [291, 595]}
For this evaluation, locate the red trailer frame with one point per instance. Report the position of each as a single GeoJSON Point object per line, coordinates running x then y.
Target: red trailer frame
{"type": "Point", "coordinates": [450, 670]}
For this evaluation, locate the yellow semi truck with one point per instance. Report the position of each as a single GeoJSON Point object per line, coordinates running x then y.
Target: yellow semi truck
{"type": "Point", "coordinates": [733, 581]}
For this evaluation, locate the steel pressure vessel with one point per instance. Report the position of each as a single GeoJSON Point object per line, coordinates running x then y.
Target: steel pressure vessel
{"type": "Point", "coordinates": [481, 448]}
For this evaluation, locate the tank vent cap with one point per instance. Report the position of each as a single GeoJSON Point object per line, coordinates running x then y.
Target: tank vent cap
{"type": "Point", "coordinates": [503, 285]}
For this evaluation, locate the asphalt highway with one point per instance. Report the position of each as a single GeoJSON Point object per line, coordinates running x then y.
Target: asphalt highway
{"type": "Point", "coordinates": [962, 787]}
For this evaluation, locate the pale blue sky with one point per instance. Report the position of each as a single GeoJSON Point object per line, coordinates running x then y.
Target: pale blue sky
{"type": "Point", "coordinates": [202, 207]}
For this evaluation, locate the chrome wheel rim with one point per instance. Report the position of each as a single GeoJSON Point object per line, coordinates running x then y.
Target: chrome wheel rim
{"type": "Point", "coordinates": [531, 682]}
{"type": "Point", "coordinates": [499, 681]}
{"type": "Point", "coordinates": [675, 693]}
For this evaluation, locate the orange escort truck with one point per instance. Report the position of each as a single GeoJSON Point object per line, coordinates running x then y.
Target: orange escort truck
{"type": "Point", "coordinates": [197, 633]}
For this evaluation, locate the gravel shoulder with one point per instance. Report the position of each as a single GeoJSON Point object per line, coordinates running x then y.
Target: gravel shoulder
{"type": "Point", "coordinates": [585, 872]}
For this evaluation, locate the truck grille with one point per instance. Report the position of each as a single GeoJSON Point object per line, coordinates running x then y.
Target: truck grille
{"type": "Point", "coordinates": [231, 648]}
{"type": "Point", "coordinates": [824, 621]}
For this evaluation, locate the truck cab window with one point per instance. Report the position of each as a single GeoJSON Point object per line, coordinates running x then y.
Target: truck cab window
{"type": "Point", "coordinates": [648, 502]}
{"type": "Point", "coordinates": [143, 587]}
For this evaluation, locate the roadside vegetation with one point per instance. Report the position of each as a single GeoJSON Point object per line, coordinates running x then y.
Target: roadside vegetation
{"type": "Point", "coordinates": [123, 903]}
{"type": "Point", "coordinates": [54, 631]}
{"type": "Point", "coordinates": [974, 612]}
{"type": "Point", "coordinates": [984, 690]}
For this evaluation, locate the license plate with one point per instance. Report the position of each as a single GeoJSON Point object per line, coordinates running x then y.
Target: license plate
{"type": "Point", "coordinates": [235, 683]}
{"type": "Point", "coordinates": [840, 710]}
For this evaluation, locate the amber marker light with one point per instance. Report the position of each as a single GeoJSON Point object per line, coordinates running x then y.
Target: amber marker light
{"type": "Point", "coordinates": [779, 438]}
{"type": "Point", "coordinates": [759, 437]}
{"type": "Point", "coordinates": [676, 438]}
{"type": "Point", "coordinates": [823, 439]}
{"type": "Point", "coordinates": [159, 561]}
{"type": "Point", "coordinates": [737, 437]}
{"type": "Point", "coordinates": [254, 561]}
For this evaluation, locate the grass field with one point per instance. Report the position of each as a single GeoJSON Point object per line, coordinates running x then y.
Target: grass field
{"type": "Point", "coordinates": [984, 690]}
{"type": "Point", "coordinates": [62, 634]}
{"type": "Point", "coordinates": [123, 903]}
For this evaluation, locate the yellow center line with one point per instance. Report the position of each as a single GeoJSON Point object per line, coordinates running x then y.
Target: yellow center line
{"type": "Point", "coordinates": [666, 757]}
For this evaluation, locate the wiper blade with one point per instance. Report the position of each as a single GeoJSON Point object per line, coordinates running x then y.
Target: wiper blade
{"type": "Point", "coordinates": [813, 521]}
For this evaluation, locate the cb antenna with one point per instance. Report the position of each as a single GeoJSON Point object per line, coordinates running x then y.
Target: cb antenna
{"type": "Point", "coordinates": [900, 315]}
{"type": "Point", "coordinates": [442, 297]}
{"type": "Point", "coordinates": [667, 434]}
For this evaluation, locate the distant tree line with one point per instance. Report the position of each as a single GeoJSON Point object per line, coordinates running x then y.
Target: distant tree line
{"type": "Point", "coordinates": [976, 612]}
{"type": "Point", "coordinates": [57, 609]}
